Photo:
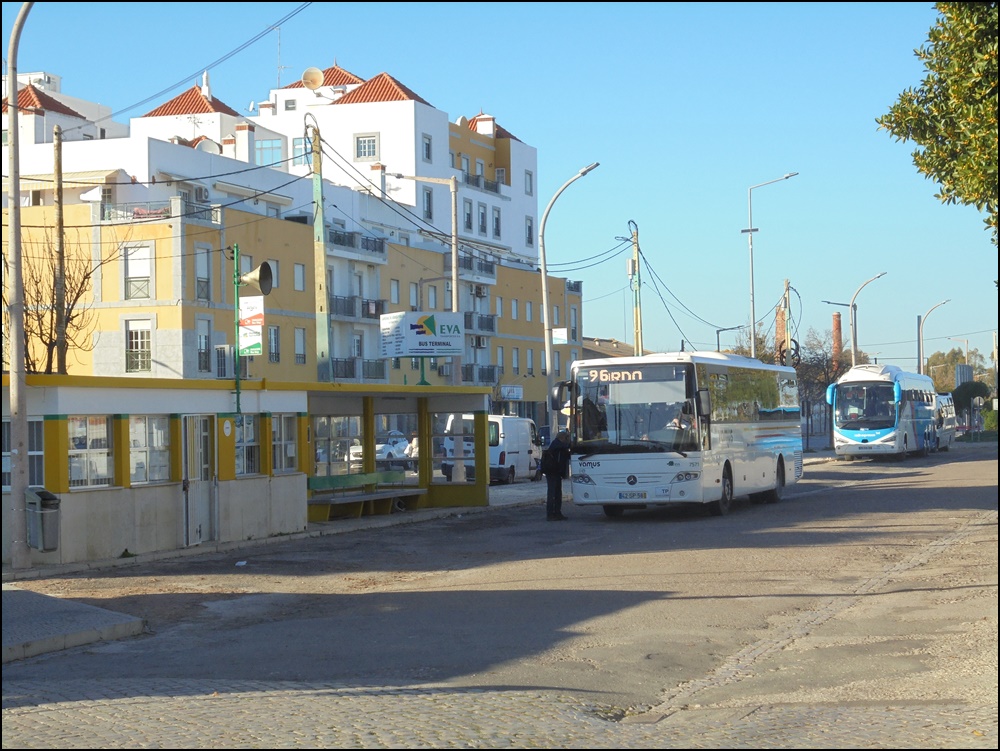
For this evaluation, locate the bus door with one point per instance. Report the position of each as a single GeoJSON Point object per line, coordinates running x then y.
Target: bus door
{"type": "Point", "coordinates": [199, 478]}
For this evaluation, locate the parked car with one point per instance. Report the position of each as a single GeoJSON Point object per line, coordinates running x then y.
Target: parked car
{"type": "Point", "coordinates": [390, 450]}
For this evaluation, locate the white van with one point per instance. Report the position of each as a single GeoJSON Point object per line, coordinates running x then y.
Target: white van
{"type": "Point", "coordinates": [945, 421]}
{"type": "Point", "coordinates": [515, 448]}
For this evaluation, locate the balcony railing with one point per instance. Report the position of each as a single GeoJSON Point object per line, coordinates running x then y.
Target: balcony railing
{"type": "Point", "coordinates": [480, 266]}
{"type": "Point", "coordinates": [478, 181]}
{"type": "Point", "coordinates": [343, 369]}
{"type": "Point", "coordinates": [373, 370]}
{"type": "Point", "coordinates": [364, 244]}
{"type": "Point", "coordinates": [372, 308]}
{"type": "Point", "coordinates": [480, 322]}
{"type": "Point", "coordinates": [357, 307]}
{"type": "Point", "coordinates": [480, 374]}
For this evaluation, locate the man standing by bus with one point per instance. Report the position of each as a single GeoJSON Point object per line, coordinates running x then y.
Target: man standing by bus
{"type": "Point", "coordinates": [555, 466]}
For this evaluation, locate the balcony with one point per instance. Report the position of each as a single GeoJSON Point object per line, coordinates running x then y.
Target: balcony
{"type": "Point", "coordinates": [361, 246]}
{"type": "Point", "coordinates": [481, 267]}
{"type": "Point", "coordinates": [478, 181]}
{"type": "Point", "coordinates": [356, 308]}
{"type": "Point", "coordinates": [480, 374]}
{"type": "Point", "coordinates": [152, 211]}
{"type": "Point", "coordinates": [347, 369]}
{"type": "Point", "coordinates": [483, 322]}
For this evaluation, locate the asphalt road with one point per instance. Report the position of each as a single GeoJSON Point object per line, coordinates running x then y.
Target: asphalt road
{"type": "Point", "coordinates": [860, 611]}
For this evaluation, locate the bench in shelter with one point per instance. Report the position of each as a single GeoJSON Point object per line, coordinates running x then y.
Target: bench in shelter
{"type": "Point", "coordinates": [359, 494]}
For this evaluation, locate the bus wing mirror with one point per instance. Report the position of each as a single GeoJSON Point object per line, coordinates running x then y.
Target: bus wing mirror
{"type": "Point", "coordinates": [556, 396]}
{"type": "Point", "coordinates": [829, 393]}
{"type": "Point", "coordinates": [897, 392]}
{"type": "Point", "coordinates": [704, 401]}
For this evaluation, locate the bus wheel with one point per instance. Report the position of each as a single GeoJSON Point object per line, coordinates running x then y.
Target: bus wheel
{"type": "Point", "coordinates": [613, 512]}
{"type": "Point", "coordinates": [778, 491]}
{"type": "Point", "coordinates": [721, 507]}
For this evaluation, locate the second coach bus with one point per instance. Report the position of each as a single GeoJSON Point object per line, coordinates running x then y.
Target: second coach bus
{"type": "Point", "coordinates": [882, 410]}
{"type": "Point", "coordinates": [680, 428]}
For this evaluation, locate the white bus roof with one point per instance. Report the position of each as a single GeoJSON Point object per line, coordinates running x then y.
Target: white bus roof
{"type": "Point", "coordinates": [708, 357]}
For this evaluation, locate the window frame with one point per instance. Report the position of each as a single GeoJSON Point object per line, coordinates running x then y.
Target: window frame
{"type": "Point", "coordinates": [88, 457]}
{"type": "Point", "coordinates": [36, 453]}
{"type": "Point", "coordinates": [247, 445]}
{"type": "Point", "coordinates": [153, 441]}
{"type": "Point", "coordinates": [366, 147]}
{"type": "Point", "coordinates": [138, 345]}
{"type": "Point", "coordinates": [284, 442]}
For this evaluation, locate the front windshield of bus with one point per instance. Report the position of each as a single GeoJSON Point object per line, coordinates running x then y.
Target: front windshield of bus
{"type": "Point", "coordinates": [634, 409]}
{"type": "Point", "coordinates": [868, 406]}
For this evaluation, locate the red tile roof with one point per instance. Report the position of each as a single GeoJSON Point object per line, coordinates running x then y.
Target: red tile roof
{"type": "Point", "coordinates": [500, 131]}
{"type": "Point", "coordinates": [381, 88]}
{"type": "Point", "coordinates": [335, 76]}
{"type": "Point", "coordinates": [31, 100]}
{"type": "Point", "coordinates": [192, 102]}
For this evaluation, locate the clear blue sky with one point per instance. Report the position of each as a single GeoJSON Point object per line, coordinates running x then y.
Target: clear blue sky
{"type": "Point", "coordinates": [684, 105]}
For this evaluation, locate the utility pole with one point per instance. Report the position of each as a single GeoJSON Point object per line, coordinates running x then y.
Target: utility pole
{"type": "Point", "coordinates": [60, 280]}
{"type": "Point", "coordinates": [636, 282]}
{"type": "Point", "coordinates": [323, 354]}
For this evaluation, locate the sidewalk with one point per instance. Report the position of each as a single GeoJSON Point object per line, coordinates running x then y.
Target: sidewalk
{"type": "Point", "coordinates": [35, 624]}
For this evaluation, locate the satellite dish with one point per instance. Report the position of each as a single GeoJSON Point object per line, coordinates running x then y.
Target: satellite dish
{"type": "Point", "coordinates": [312, 78]}
{"type": "Point", "coordinates": [252, 106]}
{"type": "Point", "coordinates": [208, 146]}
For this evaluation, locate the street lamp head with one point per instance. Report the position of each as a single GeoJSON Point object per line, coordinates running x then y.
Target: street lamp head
{"type": "Point", "coordinates": [790, 174]}
{"type": "Point", "coordinates": [589, 168]}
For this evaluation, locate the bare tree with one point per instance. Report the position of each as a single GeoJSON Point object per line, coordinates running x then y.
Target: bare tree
{"type": "Point", "coordinates": [39, 272]}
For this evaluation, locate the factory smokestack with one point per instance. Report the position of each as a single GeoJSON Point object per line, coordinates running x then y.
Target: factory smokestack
{"type": "Point", "coordinates": [838, 343]}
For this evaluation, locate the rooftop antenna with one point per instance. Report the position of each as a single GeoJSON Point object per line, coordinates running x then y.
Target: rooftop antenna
{"type": "Point", "coordinates": [280, 66]}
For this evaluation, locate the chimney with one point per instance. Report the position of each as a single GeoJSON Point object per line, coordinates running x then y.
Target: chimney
{"type": "Point", "coordinates": [245, 148]}
{"type": "Point", "coordinates": [379, 175]}
{"type": "Point", "coordinates": [779, 332]}
{"type": "Point", "coordinates": [206, 90]}
{"type": "Point", "coordinates": [838, 344]}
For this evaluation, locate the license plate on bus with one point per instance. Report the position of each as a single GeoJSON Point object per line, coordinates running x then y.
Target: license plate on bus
{"type": "Point", "coordinates": [632, 495]}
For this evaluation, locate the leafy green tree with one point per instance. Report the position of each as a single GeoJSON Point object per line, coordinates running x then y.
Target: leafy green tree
{"type": "Point", "coordinates": [966, 392]}
{"type": "Point", "coordinates": [952, 115]}
{"type": "Point", "coordinates": [941, 367]}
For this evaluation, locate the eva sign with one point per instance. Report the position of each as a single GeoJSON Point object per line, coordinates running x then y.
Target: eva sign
{"type": "Point", "coordinates": [251, 326]}
{"type": "Point", "coordinates": [410, 334]}
{"type": "Point", "coordinates": [252, 311]}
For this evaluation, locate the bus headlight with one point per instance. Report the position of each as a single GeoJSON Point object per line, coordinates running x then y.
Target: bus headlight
{"type": "Point", "coordinates": [583, 479]}
{"type": "Point", "coordinates": [686, 476]}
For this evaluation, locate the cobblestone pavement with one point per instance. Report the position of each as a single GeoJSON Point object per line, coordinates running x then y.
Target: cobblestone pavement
{"type": "Point", "coordinates": [171, 713]}
{"type": "Point", "coordinates": [201, 714]}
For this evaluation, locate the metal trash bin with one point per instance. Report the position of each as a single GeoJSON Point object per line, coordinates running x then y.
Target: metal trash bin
{"type": "Point", "coordinates": [42, 509]}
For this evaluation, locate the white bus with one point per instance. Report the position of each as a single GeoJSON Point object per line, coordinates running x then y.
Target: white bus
{"type": "Point", "coordinates": [882, 410]}
{"type": "Point", "coordinates": [680, 428]}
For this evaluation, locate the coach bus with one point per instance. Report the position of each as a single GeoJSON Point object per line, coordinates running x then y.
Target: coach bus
{"type": "Point", "coordinates": [680, 428]}
{"type": "Point", "coordinates": [881, 410]}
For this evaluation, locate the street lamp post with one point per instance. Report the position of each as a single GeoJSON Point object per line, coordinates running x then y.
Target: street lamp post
{"type": "Point", "coordinates": [20, 553]}
{"type": "Point", "coordinates": [546, 322]}
{"type": "Point", "coordinates": [854, 316]}
{"type": "Point", "coordinates": [956, 339]}
{"type": "Point", "coordinates": [458, 465]}
{"type": "Point", "coordinates": [749, 233]}
{"type": "Point", "coordinates": [718, 345]}
{"type": "Point", "coordinates": [920, 335]}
